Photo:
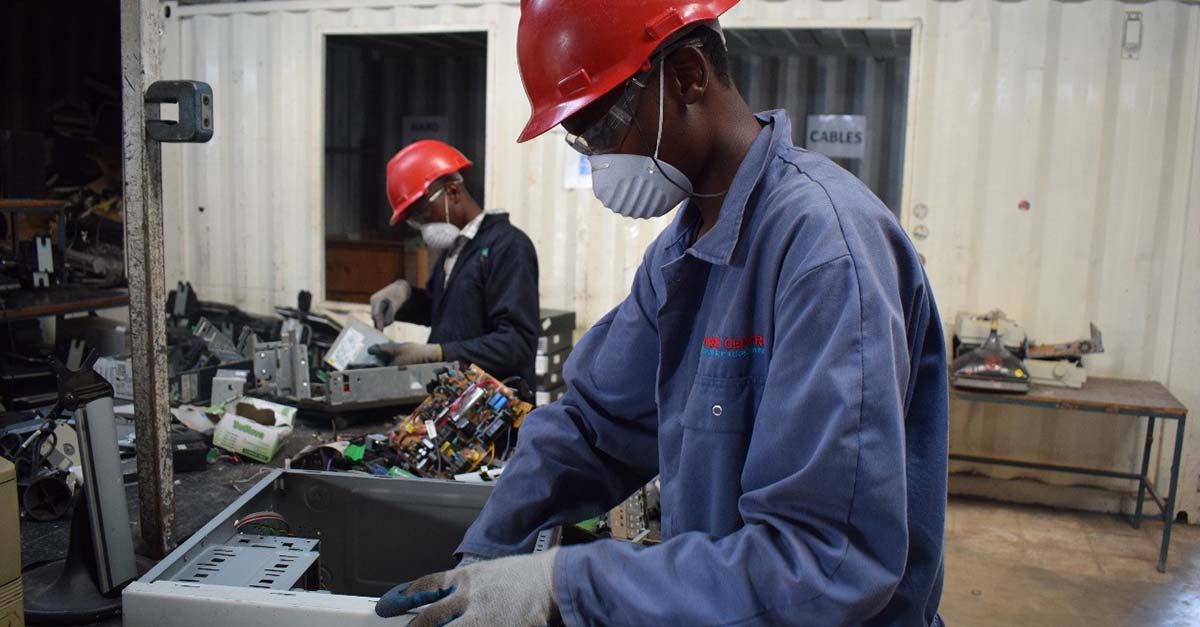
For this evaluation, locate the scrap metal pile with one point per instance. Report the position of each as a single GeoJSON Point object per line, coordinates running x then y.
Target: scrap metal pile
{"type": "Point", "coordinates": [217, 352]}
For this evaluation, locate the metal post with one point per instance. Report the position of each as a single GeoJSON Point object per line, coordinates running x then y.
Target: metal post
{"type": "Point", "coordinates": [1137, 516]}
{"type": "Point", "coordinates": [1169, 515]}
{"type": "Point", "coordinates": [141, 37]}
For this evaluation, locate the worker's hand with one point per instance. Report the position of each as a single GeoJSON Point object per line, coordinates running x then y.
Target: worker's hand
{"type": "Point", "coordinates": [387, 301]}
{"type": "Point", "coordinates": [406, 353]}
{"type": "Point", "coordinates": [516, 591]}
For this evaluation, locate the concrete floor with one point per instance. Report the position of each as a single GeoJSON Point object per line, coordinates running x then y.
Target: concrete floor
{"type": "Point", "coordinates": [1026, 565]}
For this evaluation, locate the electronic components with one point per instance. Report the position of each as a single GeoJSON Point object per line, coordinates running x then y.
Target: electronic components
{"type": "Point", "coordinates": [465, 422]}
{"type": "Point", "coordinates": [639, 517]}
{"type": "Point", "coordinates": [282, 368]}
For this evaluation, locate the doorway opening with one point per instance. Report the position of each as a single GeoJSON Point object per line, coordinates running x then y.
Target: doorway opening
{"type": "Point", "coordinates": [383, 92]}
{"type": "Point", "coordinates": [845, 90]}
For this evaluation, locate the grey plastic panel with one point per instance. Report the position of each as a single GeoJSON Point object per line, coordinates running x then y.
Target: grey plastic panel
{"type": "Point", "coordinates": [104, 485]}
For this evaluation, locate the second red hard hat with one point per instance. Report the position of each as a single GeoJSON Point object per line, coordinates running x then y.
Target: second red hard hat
{"type": "Point", "coordinates": [415, 168]}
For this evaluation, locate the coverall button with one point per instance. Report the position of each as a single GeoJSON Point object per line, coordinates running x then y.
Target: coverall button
{"type": "Point", "coordinates": [717, 410]}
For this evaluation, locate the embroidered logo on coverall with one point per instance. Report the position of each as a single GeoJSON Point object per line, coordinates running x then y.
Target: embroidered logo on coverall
{"type": "Point", "coordinates": [725, 347]}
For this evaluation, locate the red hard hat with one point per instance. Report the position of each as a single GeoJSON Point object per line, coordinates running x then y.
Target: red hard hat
{"type": "Point", "coordinates": [415, 168]}
{"type": "Point", "coordinates": [571, 52]}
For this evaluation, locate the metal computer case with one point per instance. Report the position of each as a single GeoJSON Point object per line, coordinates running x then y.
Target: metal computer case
{"type": "Point", "coordinates": [373, 533]}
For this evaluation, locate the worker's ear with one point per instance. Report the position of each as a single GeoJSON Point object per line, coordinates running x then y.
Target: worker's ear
{"type": "Point", "coordinates": [687, 78]}
{"type": "Point", "coordinates": [454, 191]}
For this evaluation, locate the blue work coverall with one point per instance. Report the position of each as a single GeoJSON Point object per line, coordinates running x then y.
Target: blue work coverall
{"type": "Point", "coordinates": [786, 376]}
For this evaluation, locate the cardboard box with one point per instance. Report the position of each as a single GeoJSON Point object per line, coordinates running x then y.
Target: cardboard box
{"type": "Point", "coordinates": [11, 599]}
{"type": "Point", "coordinates": [254, 428]}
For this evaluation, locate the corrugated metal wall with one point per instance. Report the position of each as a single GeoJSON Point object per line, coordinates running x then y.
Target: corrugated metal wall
{"type": "Point", "coordinates": [1011, 101]}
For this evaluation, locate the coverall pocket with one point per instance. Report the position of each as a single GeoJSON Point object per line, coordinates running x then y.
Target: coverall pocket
{"type": "Point", "coordinates": [722, 405]}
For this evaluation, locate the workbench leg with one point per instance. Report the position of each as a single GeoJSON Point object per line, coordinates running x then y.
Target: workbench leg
{"type": "Point", "coordinates": [1169, 515]}
{"type": "Point", "coordinates": [1137, 516]}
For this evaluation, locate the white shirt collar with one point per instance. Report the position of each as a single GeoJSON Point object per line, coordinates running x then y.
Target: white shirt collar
{"type": "Point", "coordinates": [472, 227]}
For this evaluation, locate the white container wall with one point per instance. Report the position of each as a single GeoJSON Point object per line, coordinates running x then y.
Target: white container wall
{"type": "Point", "coordinates": [1009, 101]}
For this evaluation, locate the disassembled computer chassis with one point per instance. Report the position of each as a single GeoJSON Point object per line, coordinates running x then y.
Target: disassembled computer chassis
{"type": "Point", "coordinates": [373, 532]}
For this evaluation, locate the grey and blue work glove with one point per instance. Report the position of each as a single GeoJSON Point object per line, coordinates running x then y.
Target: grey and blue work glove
{"type": "Point", "coordinates": [387, 301]}
{"type": "Point", "coordinates": [406, 353]}
{"type": "Point", "coordinates": [513, 591]}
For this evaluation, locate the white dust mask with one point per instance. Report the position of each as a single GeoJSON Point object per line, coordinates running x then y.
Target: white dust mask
{"type": "Point", "coordinates": [440, 235]}
{"type": "Point", "coordinates": [636, 186]}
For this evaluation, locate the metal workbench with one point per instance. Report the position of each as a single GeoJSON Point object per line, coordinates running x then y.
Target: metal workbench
{"type": "Point", "coordinates": [1125, 397]}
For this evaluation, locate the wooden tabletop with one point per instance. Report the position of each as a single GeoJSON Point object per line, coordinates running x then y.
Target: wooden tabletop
{"type": "Point", "coordinates": [1116, 396]}
{"type": "Point", "coordinates": [10, 203]}
{"type": "Point", "coordinates": [59, 300]}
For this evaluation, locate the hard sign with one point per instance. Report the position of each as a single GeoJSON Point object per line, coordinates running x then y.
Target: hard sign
{"type": "Point", "coordinates": [418, 127]}
{"type": "Point", "coordinates": [838, 136]}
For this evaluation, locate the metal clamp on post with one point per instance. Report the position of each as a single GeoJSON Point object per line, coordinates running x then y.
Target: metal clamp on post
{"type": "Point", "coordinates": [195, 100]}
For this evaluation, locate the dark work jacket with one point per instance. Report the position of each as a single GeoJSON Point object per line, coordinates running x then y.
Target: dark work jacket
{"type": "Point", "coordinates": [488, 312]}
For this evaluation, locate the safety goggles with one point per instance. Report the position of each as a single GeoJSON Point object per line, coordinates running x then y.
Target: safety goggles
{"type": "Point", "coordinates": [424, 213]}
{"type": "Point", "coordinates": [609, 131]}
{"type": "Point", "coordinates": [606, 134]}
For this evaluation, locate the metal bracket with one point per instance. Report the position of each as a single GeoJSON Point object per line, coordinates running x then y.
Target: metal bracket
{"type": "Point", "coordinates": [228, 385]}
{"type": "Point", "coordinates": [1131, 38]}
{"type": "Point", "coordinates": [268, 562]}
{"type": "Point", "coordinates": [195, 100]}
{"type": "Point", "coordinates": [547, 539]}
{"type": "Point", "coordinates": [45, 254]}
{"type": "Point", "coordinates": [218, 343]}
{"type": "Point", "coordinates": [182, 301]}
{"type": "Point", "coordinates": [282, 367]}
{"type": "Point", "coordinates": [75, 353]}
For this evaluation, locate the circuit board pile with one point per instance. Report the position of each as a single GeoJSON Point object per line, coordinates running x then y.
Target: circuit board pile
{"type": "Point", "coordinates": [466, 422]}
{"type": "Point", "coordinates": [638, 518]}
